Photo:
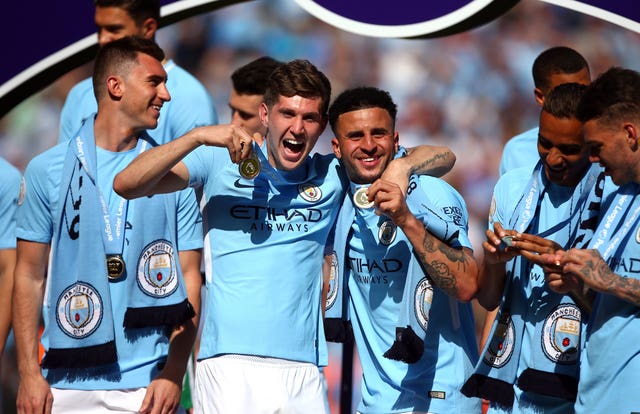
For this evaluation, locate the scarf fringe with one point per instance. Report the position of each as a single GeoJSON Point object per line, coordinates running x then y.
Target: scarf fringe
{"type": "Point", "coordinates": [495, 390]}
{"type": "Point", "coordinates": [408, 347]}
{"type": "Point", "coordinates": [171, 315]}
{"type": "Point", "coordinates": [550, 384]}
{"type": "Point", "coordinates": [338, 330]}
{"type": "Point", "coordinates": [83, 357]}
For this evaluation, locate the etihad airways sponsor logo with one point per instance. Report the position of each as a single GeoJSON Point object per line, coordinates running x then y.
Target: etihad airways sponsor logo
{"type": "Point", "coordinates": [364, 265]}
{"type": "Point", "coordinates": [248, 212]}
{"type": "Point", "coordinates": [270, 219]}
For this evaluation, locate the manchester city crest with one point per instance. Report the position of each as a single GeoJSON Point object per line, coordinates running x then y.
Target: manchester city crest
{"type": "Point", "coordinates": [157, 275]}
{"type": "Point", "coordinates": [561, 334]}
{"type": "Point", "coordinates": [387, 232]}
{"type": "Point", "coordinates": [502, 343]}
{"type": "Point", "coordinates": [422, 300]}
{"type": "Point", "coordinates": [333, 282]}
{"type": "Point", "coordinates": [79, 310]}
{"type": "Point", "coordinates": [310, 192]}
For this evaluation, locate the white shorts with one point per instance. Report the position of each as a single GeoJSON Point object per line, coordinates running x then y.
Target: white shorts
{"type": "Point", "coordinates": [97, 401]}
{"type": "Point", "coordinates": [241, 384]}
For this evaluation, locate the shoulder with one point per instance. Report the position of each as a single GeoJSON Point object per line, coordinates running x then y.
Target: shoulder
{"type": "Point", "coordinates": [9, 172]}
{"type": "Point", "coordinates": [45, 161]}
{"type": "Point", "coordinates": [434, 194]}
{"type": "Point", "coordinates": [328, 165]}
{"type": "Point", "coordinates": [514, 179]}
{"type": "Point", "coordinates": [431, 188]}
{"type": "Point", "coordinates": [508, 191]}
{"type": "Point", "coordinates": [182, 83]}
{"type": "Point", "coordinates": [81, 89]}
{"type": "Point", "coordinates": [526, 137]}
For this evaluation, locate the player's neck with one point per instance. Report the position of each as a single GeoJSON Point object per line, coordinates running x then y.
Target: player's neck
{"type": "Point", "coordinates": [111, 136]}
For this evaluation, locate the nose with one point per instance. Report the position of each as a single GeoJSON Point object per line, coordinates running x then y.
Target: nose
{"type": "Point", "coordinates": [554, 157]}
{"type": "Point", "coordinates": [297, 125]}
{"type": "Point", "coordinates": [367, 143]}
{"type": "Point", "coordinates": [163, 92]}
{"type": "Point", "coordinates": [236, 119]}
{"type": "Point", "coordinates": [105, 37]}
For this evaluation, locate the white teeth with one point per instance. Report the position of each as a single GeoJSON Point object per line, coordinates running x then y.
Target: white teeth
{"type": "Point", "coordinates": [368, 159]}
{"type": "Point", "coordinates": [156, 107]}
{"type": "Point", "coordinates": [293, 142]}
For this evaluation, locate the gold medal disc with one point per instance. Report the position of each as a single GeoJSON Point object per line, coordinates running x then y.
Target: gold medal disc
{"type": "Point", "coordinates": [115, 266]}
{"type": "Point", "coordinates": [249, 168]}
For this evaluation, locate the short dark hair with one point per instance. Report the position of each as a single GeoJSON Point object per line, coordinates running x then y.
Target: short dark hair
{"type": "Point", "coordinates": [252, 78]}
{"type": "Point", "coordinates": [118, 57]}
{"type": "Point", "coordinates": [298, 77]}
{"type": "Point", "coordinates": [562, 101]}
{"type": "Point", "coordinates": [612, 95]}
{"type": "Point", "coordinates": [362, 97]}
{"type": "Point", "coordinates": [139, 10]}
{"type": "Point", "coordinates": [558, 59]}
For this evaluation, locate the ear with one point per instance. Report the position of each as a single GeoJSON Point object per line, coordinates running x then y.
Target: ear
{"type": "Point", "coordinates": [149, 28]}
{"type": "Point", "coordinates": [632, 135]}
{"type": "Point", "coordinates": [264, 114]}
{"type": "Point", "coordinates": [539, 95]}
{"type": "Point", "coordinates": [335, 144]}
{"type": "Point", "coordinates": [115, 86]}
{"type": "Point", "coordinates": [396, 142]}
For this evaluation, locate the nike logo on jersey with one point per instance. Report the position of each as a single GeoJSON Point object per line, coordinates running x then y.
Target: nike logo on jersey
{"type": "Point", "coordinates": [238, 184]}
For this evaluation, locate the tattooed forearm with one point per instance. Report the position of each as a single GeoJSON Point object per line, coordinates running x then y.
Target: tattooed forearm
{"type": "Point", "coordinates": [629, 289]}
{"type": "Point", "coordinates": [442, 277]}
{"type": "Point", "coordinates": [597, 274]}
{"type": "Point", "coordinates": [442, 263]}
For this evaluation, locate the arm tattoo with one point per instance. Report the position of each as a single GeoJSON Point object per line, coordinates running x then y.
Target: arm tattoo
{"type": "Point", "coordinates": [440, 270]}
{"type": "Point", "coordinates": [429, 163]}
{"type": "Point", "coordinates": [601, 275]}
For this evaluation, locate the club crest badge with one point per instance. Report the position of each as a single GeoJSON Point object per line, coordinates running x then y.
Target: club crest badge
{"type": "Point", "coordinates": [157, 275]}
{"type": "Point", "coordinates": [333, 282]}
{"type": "Point", "coordinates": [561, 334]}
{"type": "Point", "coordinates": [502, 343]}
{"type": "Point", "coordinates": [422, 300]}
{"type": "Point", "coordinates": [79, 310]}
{"type": "Point", "coordinates": [387, 232]}
{"type": "Point", "coordinates": [310, 192]}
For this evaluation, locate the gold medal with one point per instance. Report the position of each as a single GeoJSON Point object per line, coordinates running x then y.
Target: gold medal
{"type": "Point", "coordinates": [249, 167]}
{"type": "Point", "coordinates": [360, 198]}
{"type": "Point", "coordinates": [115, 266]}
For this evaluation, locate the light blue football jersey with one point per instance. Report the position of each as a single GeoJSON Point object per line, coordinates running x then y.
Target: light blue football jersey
{"type": "Point", "coordinates": [611, 360]}
{"type": "Point", "coordinates": [139, 357]}
{"type": "Point", "coordinates": [380, 258]}
{"type": "Point", "coordinates": [264, 245]}
{"type": "Point", "coordinates": [545, 311]}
